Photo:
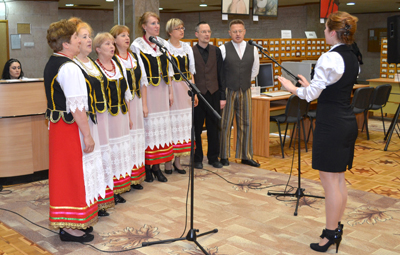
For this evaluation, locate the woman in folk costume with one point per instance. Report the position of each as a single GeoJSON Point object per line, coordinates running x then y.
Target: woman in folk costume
{"type": "Point", "coordinates": [74, 150]}
{"type": "Point", "coordinates": [157, 124]}
{"type": "Point", "coordinates": [181, 110]}
{"type": "Point", "coordinates": [118, 97]}
{"type": "Point", "coordinates": [95, 77]}
{"type": "Point", "coordinates": [137, 82]}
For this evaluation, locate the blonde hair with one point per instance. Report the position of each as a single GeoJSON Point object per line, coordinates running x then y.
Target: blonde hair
{"type": "Point", "coordinates": [100, 39]}
{"type": "Point", "coordinates": [143, 19]}
{"type": "Point", "coordinates": [171, 24]}
{"type": "Point", "coordinates": [344, 24]}
{"type": "Point", "coordinates": [81, 25]}
{"type": "Point", "coordinates": [115, 31]}
{"type": "Point", "coordinates": [60, 32]}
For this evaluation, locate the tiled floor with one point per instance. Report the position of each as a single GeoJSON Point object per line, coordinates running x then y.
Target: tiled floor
{"type": "Point", "coordinates": [248, 220]}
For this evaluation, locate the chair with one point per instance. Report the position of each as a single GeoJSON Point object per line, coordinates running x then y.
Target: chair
{"type": "Point", "coordinates": [290, 116]}
{"type": "Point", "coordinates": [312, 115]}
{"type": "Point", "coordinates": [380, 96]}
{"type": "Point", "coordinates": [361, 102]}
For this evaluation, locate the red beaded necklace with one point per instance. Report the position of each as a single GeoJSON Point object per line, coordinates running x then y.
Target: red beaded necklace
{"type": "Point", "coordinates": [127, 57]}
{"type": "Point", "coordinates": [110, 71]}
{"type": "Point", "coordinates": [154, 48]}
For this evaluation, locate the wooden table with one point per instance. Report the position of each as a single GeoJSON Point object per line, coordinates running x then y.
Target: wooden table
{"type": "Point", "coordinates": [24, 141]}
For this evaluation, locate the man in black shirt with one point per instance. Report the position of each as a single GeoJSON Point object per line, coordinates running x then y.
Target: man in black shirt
{"type": "Point", "coordinates": [209, 80]}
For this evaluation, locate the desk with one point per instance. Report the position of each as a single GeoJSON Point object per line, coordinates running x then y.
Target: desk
{"type": "Point", "coordinates": [390, 108]}
{"type": "Point", "coordinates": [24, 141]}
{"type": "Point", "coordinates": [261, 111]}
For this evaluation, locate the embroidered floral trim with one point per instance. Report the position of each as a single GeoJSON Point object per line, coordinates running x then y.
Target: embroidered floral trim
{"type": "Point", "coordinates": [181, 121]}
{"type": "Point", "coordinates": [95, 184]}
{"type": "Point", "coordinates": [79, 102]}
{"type": "Point", "coordinates": [121, 156]}
{"type": "Point", "coordinates": [138, 146]}
{"type": "Point", "coordinates": [157, 128]}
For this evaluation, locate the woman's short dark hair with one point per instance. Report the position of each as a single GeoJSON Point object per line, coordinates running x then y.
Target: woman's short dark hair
{"type": "Point", "coordinates": [6, 70]}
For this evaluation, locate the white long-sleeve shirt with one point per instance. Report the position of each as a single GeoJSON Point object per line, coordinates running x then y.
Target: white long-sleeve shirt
{"type": "Point", "coordinates": [328, 70]}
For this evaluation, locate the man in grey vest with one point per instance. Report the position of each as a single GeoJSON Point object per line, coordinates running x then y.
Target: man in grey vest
{"type": "Point", "coordinates": [241, 65]}
{"type": "Point", "coordinates": [209, 79]}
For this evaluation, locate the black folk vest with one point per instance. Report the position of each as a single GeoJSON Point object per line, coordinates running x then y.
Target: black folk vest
{"type": "Point", "coordinates": [56, 100]}
{"type": "Point", "coordinates": [156, 68]}
{"type": "Point", "coordinates": [115, 93]}
{"type": "Point", "coordinates": [134, 76]}
{"type": "Point", "coordinates": [182, 63]}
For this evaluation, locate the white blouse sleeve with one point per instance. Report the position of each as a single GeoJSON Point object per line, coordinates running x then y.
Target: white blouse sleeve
{"type": "Point", "coordinates": [143, 81]}
{"type": "Point", "coordinates": [135, 49]}
{"type": "Point", "coordinates": [192, 68]}
{"type": "Point", "coordinates": [72, 82]}
{"type": "Point", "coordinates": [328, 70]}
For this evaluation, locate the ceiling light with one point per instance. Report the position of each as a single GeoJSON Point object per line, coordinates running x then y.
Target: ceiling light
{"type": "Point", "coordinates": [161, 8]}
{"type": "Point", "coordinates": [203, 5]}
{"type": "Point", "coordinates": [109, 0]}
{"type": "Point", "coordinates": [69, 5]}
{"type": "Point", "coordinates": [351, 3]}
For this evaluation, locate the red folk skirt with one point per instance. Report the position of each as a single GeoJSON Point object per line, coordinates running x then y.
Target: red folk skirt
{"type": "Point", "coordinates": [68, 208]}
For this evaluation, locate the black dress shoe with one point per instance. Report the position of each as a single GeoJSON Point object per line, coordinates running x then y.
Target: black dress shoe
{"type": "Point", "coordinates": [149, 175]}
{"type": "Point", "coordinates": [224, 162]}
{"type": "Point", "coordinates": [180, 171]}
{"type": "Point", "coordinates": [64, 236]}
{"type": "Point", "coordinates": [250, 162]}
{"type": "Point", "coordinates": [217, 164]}
{"type": "Point", "coordinates": [89, 229]}
{"type": "Point", "coordinates": [168, 171]}
{"type": "Point", "coordinates": [119, 199]}
{"type": "Point", "coordinates": [136, 186]}
{"type": "Point", "coordinates": [101, 213]}
{"type": "Point", "coordinates": [198, 165]}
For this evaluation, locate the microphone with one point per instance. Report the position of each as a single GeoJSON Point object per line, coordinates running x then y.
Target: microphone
{"type": "Point", "coordinates": [251, 42]}
{"type": "Point", "coordinates": [160, 45]}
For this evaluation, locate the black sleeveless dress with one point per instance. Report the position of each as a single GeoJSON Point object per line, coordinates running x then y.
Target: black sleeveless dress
{"type": "Point", "coordinates": [336, 127]}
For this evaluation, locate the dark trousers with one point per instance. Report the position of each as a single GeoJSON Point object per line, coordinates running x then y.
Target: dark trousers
{"type": "Point", "coordinates": [212, 125]}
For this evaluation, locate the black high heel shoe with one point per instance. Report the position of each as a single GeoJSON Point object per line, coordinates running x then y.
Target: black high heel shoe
{"type": "Point", "coordinates": [333, 237]}
{"type": "Point", "coordinates": [149, 175]}
{"type": "Point", "coordinates": [340, 228]}
{"type": "Point", "coordinates": [180, 171]}
{"type": "Point", "coordinates": [158, 174]}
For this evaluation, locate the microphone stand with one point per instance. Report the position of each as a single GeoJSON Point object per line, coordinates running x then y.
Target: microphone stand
{"type": "Point", "coordinates": [299, 191]}
{"type": "Point", "coordinates": [192, 233]}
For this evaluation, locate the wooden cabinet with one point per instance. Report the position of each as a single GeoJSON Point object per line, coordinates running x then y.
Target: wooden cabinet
{"type": "Point", "coordinates": [24, 140]}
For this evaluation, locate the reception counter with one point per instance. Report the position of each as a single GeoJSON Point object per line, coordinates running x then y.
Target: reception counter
{"type": "Point", "coordinates": [24, 140]}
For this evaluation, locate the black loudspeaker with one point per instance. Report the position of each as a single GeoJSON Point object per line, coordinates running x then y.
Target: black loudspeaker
{"type": "Point", "coordinates": [393, 36]}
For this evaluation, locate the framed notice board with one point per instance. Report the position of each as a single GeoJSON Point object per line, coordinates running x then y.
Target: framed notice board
{"type": "Point", "coordinates": [375, 36]}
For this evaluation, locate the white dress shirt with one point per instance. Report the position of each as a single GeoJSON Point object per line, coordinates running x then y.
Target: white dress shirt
{"type": "Point", "coordinates": [328, 70]}
{"type": "Point", "coordinates": [242, 46]}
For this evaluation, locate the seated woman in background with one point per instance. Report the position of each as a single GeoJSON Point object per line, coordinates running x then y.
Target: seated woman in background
{"type": "Point", "coordinates": [12, 70]}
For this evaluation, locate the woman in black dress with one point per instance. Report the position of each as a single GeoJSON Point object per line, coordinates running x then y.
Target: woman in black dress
{"type": "Point", "coordinates": [336, 128]}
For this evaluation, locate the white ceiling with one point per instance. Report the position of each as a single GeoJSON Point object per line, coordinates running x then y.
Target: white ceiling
{"type": "Point", "coordinates": [361, 6]}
